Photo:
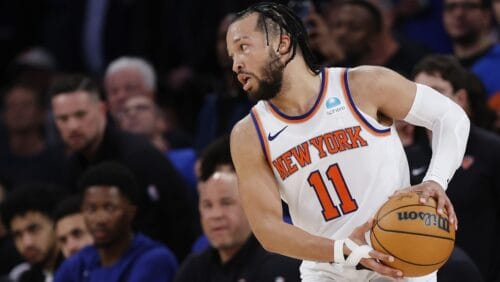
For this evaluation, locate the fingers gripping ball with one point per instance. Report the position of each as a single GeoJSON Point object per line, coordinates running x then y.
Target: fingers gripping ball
{"type": "Point", "coordinates": [419, 239]}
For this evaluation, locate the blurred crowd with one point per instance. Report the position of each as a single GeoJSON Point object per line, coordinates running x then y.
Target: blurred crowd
{"type": "Point", "coordinates": [114, 155]}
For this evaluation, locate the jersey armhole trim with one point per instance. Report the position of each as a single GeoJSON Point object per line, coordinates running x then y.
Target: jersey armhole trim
{"type": "Point", "coordinates": [305, 117]}
{"type": "Point", "coordinates": [260, 132]}
{"type": "Point", "coordinates": [355, 111]}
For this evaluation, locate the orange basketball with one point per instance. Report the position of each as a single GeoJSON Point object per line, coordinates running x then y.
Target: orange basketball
{"type": "Point", "coordinates": [419, 239]}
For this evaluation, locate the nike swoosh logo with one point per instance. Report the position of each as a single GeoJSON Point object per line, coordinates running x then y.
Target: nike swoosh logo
{"type": "Point", "coordinates": [272, 137]}
{"type": "Point", "coordinates": [418, 171]}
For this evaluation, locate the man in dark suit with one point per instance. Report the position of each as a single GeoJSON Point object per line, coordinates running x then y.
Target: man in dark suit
{"type": "Point", "coordinates": [475, 187]}
{"type": "Point", "coordinates": [165, 212]}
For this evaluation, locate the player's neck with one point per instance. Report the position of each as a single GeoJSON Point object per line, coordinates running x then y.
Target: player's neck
{"type": "Point", "coordinates": [299, 91]}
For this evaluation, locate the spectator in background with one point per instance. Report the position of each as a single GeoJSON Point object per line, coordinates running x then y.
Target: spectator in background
{"type": "Point", "coordinates": [215, 157]}
{"type": "Point", "coordinates": [142, 116]}
{"type": "Point", "coordinates": [34, 65]}
{"type": "Point", "coordinates": [126, 77]}
{"type": "Point", "coordinates": [109, 204]}
{"type": "Point", "coordinates": [234, 253]}
{"type": "Point", "coordinates": [422, 21]}
{"type": "Point", "coordinates": [494, 102]}
{"type": "Point", "coordinates": [468, 23]}
{"type": "Point", "coordinates": [9, 257]}
{"type": "Point", "coordinates": [396, 53]}
{"type": "Point", "coordinates": [478, 111]}
{"type": "Point", "coordinates": [326, 48]}
{"type": "Point", "coordinates": [27, 156]}
{"type": "Point", "coordinates": [165, 212]}
{"type": "Point", "coordinates": [71, 231]}
{"type": "Point", "coordinates": [495, 5]}
{"type": "Point", "coordinates": [27, 213]}
{"type": "Point", "coordinates": [363, 30]}
{"type": "Point", "coordinates": [477, 180]}
{"type": "Point", "coordinates": [227, 104]}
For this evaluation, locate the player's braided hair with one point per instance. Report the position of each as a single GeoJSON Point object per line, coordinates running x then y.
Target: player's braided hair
{"type": "Point", "coordinates": [278, 17]}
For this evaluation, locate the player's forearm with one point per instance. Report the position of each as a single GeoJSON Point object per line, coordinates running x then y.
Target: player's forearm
{"type": "Point", "coordinates": [448, 147]}
{"type": "Point", "coordinates": [282, 238]}
{"type": "Point", "coordinates": [450, 129]}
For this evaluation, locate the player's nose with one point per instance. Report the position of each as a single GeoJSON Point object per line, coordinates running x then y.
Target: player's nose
{"type": "Point", "coordinates": [237, 65]}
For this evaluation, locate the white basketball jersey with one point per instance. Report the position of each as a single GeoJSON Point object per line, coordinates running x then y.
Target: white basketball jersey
{"type": "Point", "coordinates": [335, 165]}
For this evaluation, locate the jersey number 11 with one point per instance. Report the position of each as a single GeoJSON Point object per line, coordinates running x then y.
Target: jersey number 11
{"type": "Point", "coordinates": [330, 210]}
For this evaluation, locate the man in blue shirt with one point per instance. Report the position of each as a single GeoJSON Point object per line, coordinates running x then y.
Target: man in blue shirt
{"type": "Point", "coordinates": [468, 23]}
{"type": "Point", "coordinates": [109, 195]}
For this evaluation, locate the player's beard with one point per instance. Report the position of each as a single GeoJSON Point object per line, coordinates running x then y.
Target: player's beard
{"type": "Point", "coordinates": [272, 79]}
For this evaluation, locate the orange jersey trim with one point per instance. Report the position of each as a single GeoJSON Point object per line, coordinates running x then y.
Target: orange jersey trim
{"type": "Point", "coordinates": [299, 119]}
{"type": "Point", "coordinates": [355, 112]}
{"type": "Point", "coordinates": [262, 135]}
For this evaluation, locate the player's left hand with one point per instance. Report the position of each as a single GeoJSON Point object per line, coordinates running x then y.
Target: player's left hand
{"type": "Point", "coordinates": [377, 259]}
{"type": "Point", "coordinates": [428, 189]}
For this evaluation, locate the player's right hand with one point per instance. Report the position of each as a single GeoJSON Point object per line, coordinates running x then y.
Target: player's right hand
{"type": "Point", "coordinates": [375, 263]}
{"type": "Point", "coordinates": [428, 189]}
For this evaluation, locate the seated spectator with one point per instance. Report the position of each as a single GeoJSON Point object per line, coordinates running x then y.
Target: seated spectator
{"type": "Point", "coordinates": [477, 180]}
{"type": "Point", "coordinates": [80, 117]}
{"type": "Point", "coordinates": [142, 116]}
{"type": "Point", "coordinates": [109, 194]}
{"type": "Point", "coordinates": [9, 257]}
{"type": "Point", "coordinates": [234, 253]}
{"type": "Point", "coordinates": [422, 21]}
{"type": "Point", "coordinates": [27, 156]}
{"type": "Point", "coordinates": [469, 25]}
{"type": "Point", "coordinates": [363, 31]}
{"type": "Point", "coordinates": [27, 212]}
{"type": "Point", "coordinates": [127, 77]}
{"type": "Point", "coordinates": [71, 231]}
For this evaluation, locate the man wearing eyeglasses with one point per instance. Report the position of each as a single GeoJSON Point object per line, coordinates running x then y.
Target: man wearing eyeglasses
{"type": "Point", "coordinates": [469, 25]}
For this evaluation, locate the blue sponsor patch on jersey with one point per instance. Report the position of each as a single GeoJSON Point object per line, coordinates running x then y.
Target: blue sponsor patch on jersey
{"type": "Point", "coordinates": [332, 102]}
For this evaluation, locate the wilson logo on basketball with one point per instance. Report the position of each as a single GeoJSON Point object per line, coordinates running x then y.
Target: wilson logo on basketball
{"type": "Point", "coordinates": [429, 219]}
{"type": "Point", "coordinates": [419, 239]}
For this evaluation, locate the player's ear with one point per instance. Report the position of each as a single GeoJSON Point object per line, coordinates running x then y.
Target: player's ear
{"type": "Point", "coordinates": [284, 46]}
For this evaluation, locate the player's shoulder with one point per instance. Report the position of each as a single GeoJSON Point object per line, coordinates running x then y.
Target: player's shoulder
{"type": "Point", "coordinates": [374, 82]}
{"type": "Point", "coordinates": [244, 139]}
{"type": "Point", "coordinates": [242, 125]}
{"type": "Point", "coordinates": [244, 130]}
{"type": "Point", "coordinates": [370, 74]}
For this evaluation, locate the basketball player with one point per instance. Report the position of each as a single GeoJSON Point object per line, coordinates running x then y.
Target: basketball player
{"type": "Point", "coordinates": [324, 141]}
